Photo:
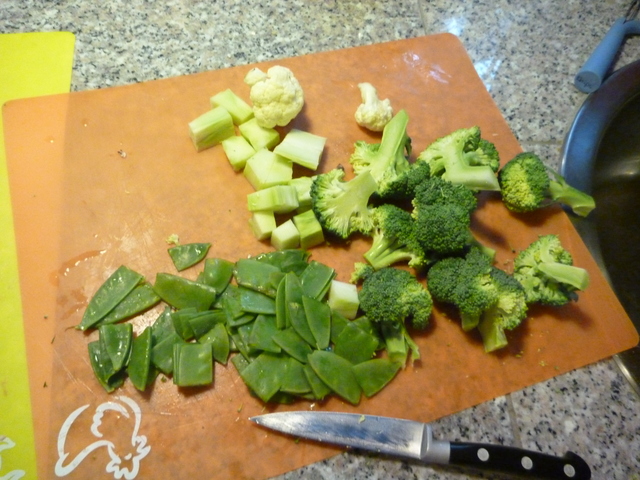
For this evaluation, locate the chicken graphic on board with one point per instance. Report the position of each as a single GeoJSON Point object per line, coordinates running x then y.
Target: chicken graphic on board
{"type": "Point", "coordinates": [124, 459]}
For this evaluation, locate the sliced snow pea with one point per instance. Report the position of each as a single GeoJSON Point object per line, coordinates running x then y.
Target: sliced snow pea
{"type": "Point", "coordinates": [218, 338]}
{"type": "Point", "coordinates": [180, 319]}
{"type": "Point", "coordinates": [261, 338]}
{"type": "Point", "coordinates": [259, 276]}
{"type": "Point", "coordinates": [318, 316]}
{"type": "Point", "coordinates": [103, 369]}
{"type": "Point", "coordinates": [230, 302]}
{"type": "Point", "coordinates": [217, 273]}
{"type": "Point", "coordinates": [298, 320]}
{"type": "Point", "coordinates": [139, 366]}
{"type": "Point", "coordinates": [187, 255]}
{"type": "Point", "coordinates": [162, 326]}
{"type": "Point", "coordinates": [252, 301]}
{"type": "Point", "coordinates": [316, 279]}
{"type": "Point", "coordinates": [192, 364]}
{"type": "Point", "coordinates": [140, 299]}
{"type": "Point", "coordinates": [241, 320]}
{"type": "Point", "coordinates": [337, 373]}
{"type": "Point", "coordinates": [122, 281]}
{"type": "Point", "coordinates": [262, 375]}
{"type": "Point", "coordinates": [162, 352]}
{"type": "Point", "coordinates": [115, 340]}
{"type": "Point", "coordinates": [203, 322]}
{"type": "Point", "coordinates": [318, 387]}
{"type": "Point", "coordinates": [291, 260]}
{"type": "Point", "coordinates": [292, 343]}
{"type": "Point", "coordinates": [183, 293]}
{"type": "Point", "coordinates": [282, 320]}
{"type": "Point", "coordinates": [355, 344]}
{"type": "Point", "coordinates": [293, 379]}
{"type": "Point", "coordinates": [373, 375]}
{"type": "Point", "coordinates": [338, 322]}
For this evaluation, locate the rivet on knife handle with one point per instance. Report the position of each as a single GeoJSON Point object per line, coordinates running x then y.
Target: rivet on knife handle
{"type": "Point", "coordinates": [516, 461]}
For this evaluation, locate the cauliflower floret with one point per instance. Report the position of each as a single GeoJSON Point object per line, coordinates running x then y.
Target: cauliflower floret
{"type": "Point", "coordinates": [373, 113]}
{"type": "Point", "coordinates": [276, 95]}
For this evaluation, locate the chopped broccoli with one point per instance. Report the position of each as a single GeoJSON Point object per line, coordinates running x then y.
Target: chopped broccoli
{"type": "Point", "coordinates": [526, 186]}
{"type": "Point", "coordinates": [403, 187]}
{"type": "Point", "coordinates": [438, 191]}
{"type": "Point", "coordinates": [486, 297]}
{"type": "Point", "coordinates": [443, 229]}
{"type": "Point", "coordinates": [466, 283]}
{"type": "Point", "coordinates": [461, 158]}
{"type": "Point", "coordinates": [390, 297]}
{"type": "Point", "coordinates": [546, 271]}
{"type": "Point", "coordinates": [385, 160]}
{"type": "Point", "coordinates": [485, 154]}
{"type": "Point", "coordinates": [342, 207]}
{"type": "Point", "coordinates": [394, 238]}
{"type": "Point", "coordinates": [505, 314]}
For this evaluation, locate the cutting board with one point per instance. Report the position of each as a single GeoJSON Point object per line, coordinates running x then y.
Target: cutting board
{"type": "Point", "coordinates": [31, 64]}
{"type": "Point", "coordinates": [103, 178]}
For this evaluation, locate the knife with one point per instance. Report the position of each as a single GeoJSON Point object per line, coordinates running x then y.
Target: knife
{"type": "Point", "coordinates": [414, 440]}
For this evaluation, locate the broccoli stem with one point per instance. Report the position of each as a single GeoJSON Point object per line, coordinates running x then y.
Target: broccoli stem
{"type": "Point", "coordinates": [399, 343]}
{"type": "Point", "coordinates": [580, 202]}
{"type": "Point", "coordinates": [568, 274]}
{"type": "Point", "coordinates": [493, 336]}
{"type": "Point", "coordinates": [385, 252]}
{"type": "Point", "coordinates": [478, 177]}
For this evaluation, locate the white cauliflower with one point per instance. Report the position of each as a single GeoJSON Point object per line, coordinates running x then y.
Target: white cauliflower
{"type": "Point", "coordinates": [373, 113]}
{"type": "Point", "coordinates": [276, 95]}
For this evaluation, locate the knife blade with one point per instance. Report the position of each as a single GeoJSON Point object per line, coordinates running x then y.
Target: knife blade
{"type": "Point", "coordinates": [414, 440]}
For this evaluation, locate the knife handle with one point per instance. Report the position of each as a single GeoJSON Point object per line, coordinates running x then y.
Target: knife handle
{"type": "Point", "coordinates": [519, 462]}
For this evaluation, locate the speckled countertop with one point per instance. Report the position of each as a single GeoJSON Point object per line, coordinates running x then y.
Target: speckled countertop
{"type": "Point", "coordinates": [527, 54]}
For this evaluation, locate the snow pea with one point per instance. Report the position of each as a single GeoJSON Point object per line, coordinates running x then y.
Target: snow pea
{"type": "Point", "coordinates": [293, 379]}
{"type": "Point", "coordinates": [140, 299]}
{"type": "Point", "coordinates": [259, 276]}
{"type": "Point", "coordinates": [203, 322]}
{"type": "Point", "coordinates": [180, 320]}
{"type": "Point", "coordinates": [318, 315]}
{"type": "Point", "coordinates": [218, 337]}
{"type": "Point", "coordinates": [217, 273]}
{"type": "Point", "coordinates": [162, 352]}
{"type": "Point", "coordinates": [139, 366]}
{"type": "Point", "coordinates": [316, 279]}
{"type": "Point", "coordinates": [181, 292]}
{"type": "Point", "coordinates": [122, 281]}
{"type": "Point", "coordinates": [355, 344]}
{"type": "Point", "coordinates": [265, 386]}
{"type": "Point", "coordinates": [373, 375]}
{"type": "Point", "coordinates": [102, 367]}
{"type": "Point", "coordinates": [292, 343]}
{"type": "Point", "coordinates": [318, 387]}
{"type": "Point", "coordinates": [289, 261]}
{"type": "Point", "coordinates": [252, 301]}
{"type": "Point", "coordinates": [261, 338]}
{"type": "Point", "coordinates": [337, 373]}
{"type": "Point", "coordinates": [187, 255]}
{"type": "Point", "coordinates": [115, 340]}
{"type": "Point", "coordinates": [192, 364]}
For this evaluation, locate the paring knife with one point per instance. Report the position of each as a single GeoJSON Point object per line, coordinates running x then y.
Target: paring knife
{"type": "Point", "coordinates": [414, 440]}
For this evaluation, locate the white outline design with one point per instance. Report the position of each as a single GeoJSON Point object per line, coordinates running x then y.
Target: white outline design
{"type": "Point", "coordinates": [139, 442]}
{"type": "Point", "coordinates": [5, 444]}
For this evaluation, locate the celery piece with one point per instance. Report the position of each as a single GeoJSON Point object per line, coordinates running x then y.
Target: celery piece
{"type": "Point", "coordinates": [302, 147]}
{"type": "Point", "coordinates": [211, 128]}
{"type": "Point", "coordinates": [265, 169]}
{"type": "Point", "coordinates": [239, 110]}
{"type": "Point", "coordinates": [262, 224]}
{"type": "Point", "coordinates": [285, 236]}
{"type": "Point", "coordinates": [309, 228]}
{"type": "Point", "coordinates": [303, 189]}
{"type": "Point", "coordinates": [343, 298]}
{"type": "Point", "coordinates": [259, 137]}
{"type": "Point", "coordinates": [276, 199]}
{"type": "Point", "coordinates": [238, 150]}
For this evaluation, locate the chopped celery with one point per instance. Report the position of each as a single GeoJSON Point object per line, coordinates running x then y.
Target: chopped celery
{"type": "Point", "coordinates": [285, 236]}
{"type": "Point", "coordinates": [265, 169]}
{"type": "Point", "coordinates": [303, 188]}
{"type": "Point", "coordinates": [259, 137]}
{"type": "Point", "coordinates": [239, 110]}
{"type": "Point", "coordinates": [301, 147]}
{"type": "Point", "coordinates": [309, 228]}
{"type": "Point", "coordinates": [343, 298]}
{"type": "Point", "coordinates": [211, 128]}
{"type": "Point", "coordinates": [276, 199]}
{"type": "Point", "coordinates": [238, 150]}
{"type": "Point", "coordinates": [262, 224]}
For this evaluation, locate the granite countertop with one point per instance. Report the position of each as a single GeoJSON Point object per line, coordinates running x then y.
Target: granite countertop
{"type": "Point", "coordinates": [527, 54]}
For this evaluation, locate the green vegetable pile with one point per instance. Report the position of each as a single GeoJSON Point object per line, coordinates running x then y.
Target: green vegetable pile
{"type": "Point", "coordinates": [279, 318]}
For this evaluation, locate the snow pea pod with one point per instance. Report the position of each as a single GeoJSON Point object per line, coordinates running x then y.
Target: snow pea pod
{"type": "Point", "coordinates": [115, 340]}
{"type": "Point", "coordinates": [218, 338]}
{"type": "Point", "coordinates": [181, 292]}
{"type": "Point", "coordinates": [140, 299]}
{"type": "Point", "coordinates": [187, 255]}
{"type": "Point", "coordinates": [318, 316]}
{"type": "Point", "coordinates": [103, 369]}
{"type": "Point", "coordinates": [139, 366]}
{"type": "Point", "coordinates": [192, 364]}
{"type": "Point", "coordinates": [355, 344]}
{"type": "Point", "coordinates": [122, 281]}
{"type": "Point", "coordinates": [337, 373]}
{"type": "Point", "coordinates": [373, 375]}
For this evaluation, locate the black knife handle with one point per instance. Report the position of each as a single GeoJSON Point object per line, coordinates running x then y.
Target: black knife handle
{"type": "Point", "coordinates": [519, 462]}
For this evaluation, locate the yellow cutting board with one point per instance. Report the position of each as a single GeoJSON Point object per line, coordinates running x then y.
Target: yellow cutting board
{"type": "Point", "coordinates": [109, 174]}
{"type": "Point", "coordinates": [31, 64]}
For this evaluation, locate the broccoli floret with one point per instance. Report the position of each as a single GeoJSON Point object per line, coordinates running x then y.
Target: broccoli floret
{"type": "Point", "coordinates": [485, 154]}
{"type": "Point", "coordinates": [453, 158]}
{"type": "Point", "coordinates": [394, 239]}
{"type": "Point", "coordinates": [526, 186]}
{"type": "Point", "coordinates": [438, 191]}
{"type": "Point", "coordinates": [466, 283]}
{"type": "Point", "coordinates": [546, 271]}
{"type": "Point", "coordinates": [342, 207]}
{"type": "Point", "coordinates": [506, 313]}
{"type": "Point", "coordinates": [391, 297]}
{"type": "Point", "coordinates": [486, 297]}
{"type": "Point", "coordinates": [388, 159]}
{"type": "Point", "coordinates": [443, 229]}
{"type": "Point", "coordinates": [403, 187]}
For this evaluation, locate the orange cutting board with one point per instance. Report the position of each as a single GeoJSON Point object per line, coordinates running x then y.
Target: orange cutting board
{"type": "Point", "coordinates": [102, 178]}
